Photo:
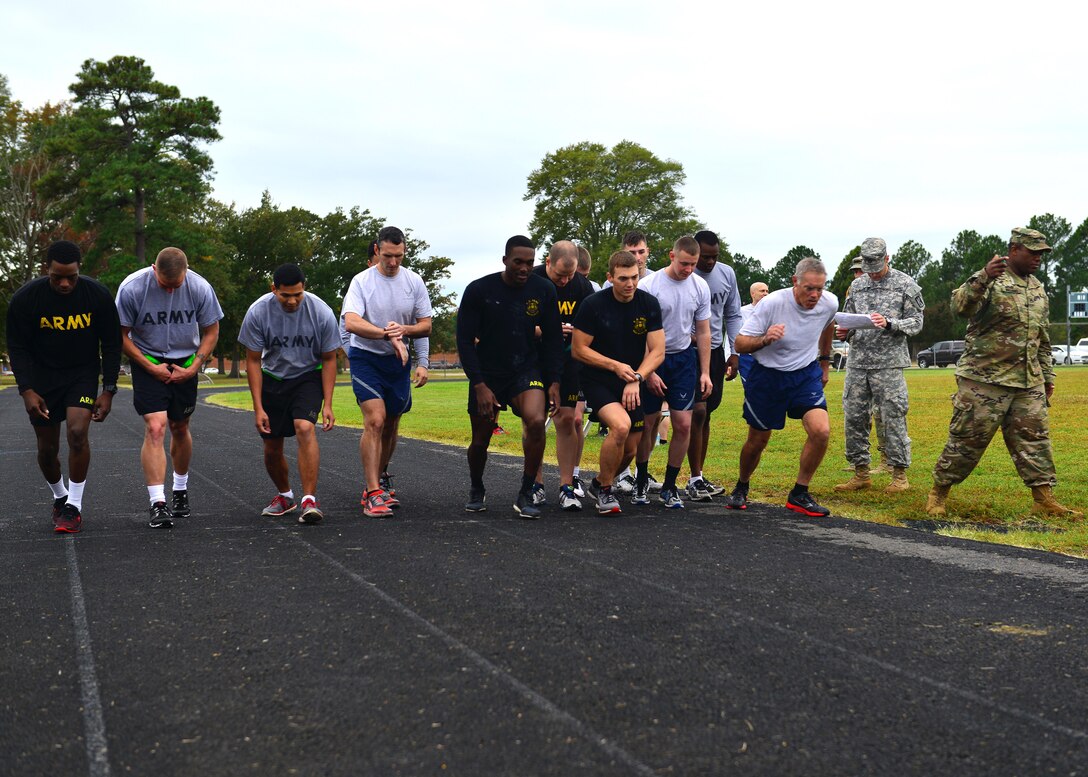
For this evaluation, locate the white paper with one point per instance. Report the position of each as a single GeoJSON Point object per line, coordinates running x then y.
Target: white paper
{"type": "Point", "coordinates": [854, 321]}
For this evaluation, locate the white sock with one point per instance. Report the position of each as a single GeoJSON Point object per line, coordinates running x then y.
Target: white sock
{"type": "Point", "coordinates": [310, 497]}
{"type": "Point", "coordinates": [156, 493]}
{"type": "Point", "coordinates": [625, 473]}
{"type": "Point", "coordinates": [58, 488]}
{"type": "Point", "coordinates": [577, 472]}
{"type": "Point", "coordinates": [288, 494]}
{"type": "Point", "coordinates": [75, 493]}
{"type": "Point", "coordinates": [181, 482]}
{"type": "Point", "coordinates": [695, 478]}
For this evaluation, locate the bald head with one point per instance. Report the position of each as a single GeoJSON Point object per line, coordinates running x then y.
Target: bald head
{"type": "Point", "coordinates": [758, 291]}
{"type": "Point", "coordinates": [563, 253]}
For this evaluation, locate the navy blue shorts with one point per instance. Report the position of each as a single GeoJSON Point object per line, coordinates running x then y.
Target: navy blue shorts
{"type": "Point", "coordinates": [680, 372]}
{"type": "Point", "coordinates": [381, 376]}
{"type": "Point", "coordinates": [770, 395]}
{"type": "Point", "coordinates": [744, 365]}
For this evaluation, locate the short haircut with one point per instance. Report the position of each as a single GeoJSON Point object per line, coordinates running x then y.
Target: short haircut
{"type": "Point", "coordinates": [686, 245]}
{"type": "Point", "coordinates": [585, 261]}
{"type": "Point", "coordinates": [171, 262]}
{"type": "Point", "coordinates": [621, 259]}
{"type": "Point", "coordinates": [389, 235]}
{"type": "Point", "coordinates": [633, 238]}
{"type": "Point", "coordinates": [63, 252]}
{"type": "Point", "coordinates": [706, 237]}
{"type": "Point", "coordinates": [519, 241]}
{"type": "Point", "coordinates": [563, 252]}
{"type": "Point", "coordinates": [288, 274]}
{"type": "Point", "coordinates": [809, 264]}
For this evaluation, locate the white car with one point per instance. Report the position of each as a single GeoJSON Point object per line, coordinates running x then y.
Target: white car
{"type": "Point", "coordinates": [1061, 354]}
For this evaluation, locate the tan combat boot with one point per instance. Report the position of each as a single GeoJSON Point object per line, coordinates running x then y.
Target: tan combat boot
{"type": "Point", "coordinates": [1047, 506]}
{"type": "Point", "coordinates": [860, 481]}
{"type": "Point", "coordinates": [881, 468]}
{"type": "Point", "coordinates": [935, 502]}
{"type": "Point", "coordinates": [899, 481]}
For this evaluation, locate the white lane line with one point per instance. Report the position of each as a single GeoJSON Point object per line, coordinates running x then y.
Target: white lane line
{"type": "Point", "coordinates": [536, 699]}
{"type": "Point", "coordinates": [704, 604]}
{"type": "Point", "coordinates": [94, 725]}
{"type": "Point", "coordinates": [965, 558]}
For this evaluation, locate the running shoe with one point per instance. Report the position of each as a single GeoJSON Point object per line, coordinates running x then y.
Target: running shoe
{"type": "Point", "coordinates": [525, 507]}
{"type": "Point", "coordinates": [58, 503]}
{"type": "Point", "coordinates": [625, 484]}
{"type": "Point", "coordinates": [477, 498]}
{"type": "Point", "coordinates": [670, 497]}
{"type": "Point", "coordinates": [179, 504]}
{"type": "Point", "coordinates": [641, 495]}
{"type": "Point", "coordinates": [280, 505]}
{"type": "Point", "coordinates": [806, 505]}
{"type": "Point", "coordinates": [607, 504]}
{"type": "Point", "coordinates": [697, 491]}
{"type": "Point", "coordinates": [375, 506]}
{"type": "Point", "coordinates": [712, 487]}
{"type": "Point", "coordinates": [160, 517]}
{"type": "Point", "coordinates": [652, 484]}
{"type": "Point", "coordinates": [539, 496]}
{"type": "Point", "coordinates": [311, 512]}
{"type": "Point", "coordinates": [579, 487]}
{"type": "Point", "coordinates": [385, 483]}
{"type": "Point", "coordinates": [390, 500]}
{"type": "Point", "coordinates": [738, 500]}
{"type": "Point", "coordinates": [498, 430]}
{"type": "Point", "coordinates": [69, 520]}
{"type": "Point", "coordinates": [568, 500]}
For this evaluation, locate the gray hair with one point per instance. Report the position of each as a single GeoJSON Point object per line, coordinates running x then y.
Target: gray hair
{"type": "Point", "coordinates": [809, 264]}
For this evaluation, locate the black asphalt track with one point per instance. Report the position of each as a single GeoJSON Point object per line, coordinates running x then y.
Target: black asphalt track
{"type": "Point", "coordinates": [694, 642]}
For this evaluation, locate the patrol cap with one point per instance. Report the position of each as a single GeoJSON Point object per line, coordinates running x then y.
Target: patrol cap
{"type": "Point", "coordinates": [873, 252]}
{"type": "Point", "coordinates": [1031, 239]}
{"type": "Point", "coordinates": [856, 264]}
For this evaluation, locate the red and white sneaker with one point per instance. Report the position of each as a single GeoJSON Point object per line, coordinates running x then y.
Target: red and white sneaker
{"type": "Point", "coordinates": [375, 505]}
{"type": "Point", "coordinates": [280, 505]}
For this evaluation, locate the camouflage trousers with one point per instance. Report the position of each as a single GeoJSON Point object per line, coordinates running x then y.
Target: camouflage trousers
{"type": "Point", "coordinates": [978, 409]}
{"type": "Point", "coordinates": [882, 393]}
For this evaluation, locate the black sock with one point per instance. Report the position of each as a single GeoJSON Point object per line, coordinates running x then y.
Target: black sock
{"type": "Point", "coordinates": [742, 486]}
{"type": "Point", "coordinates": [670, 477]}
{"type": "Point", "coordinates": [527, 483]}
{"type": "Point", "coordinates": [642, 473]}
{"type": "Point", "coordinates": [477, 482]}
{"type": "Point", "coordinates": [798, 489]}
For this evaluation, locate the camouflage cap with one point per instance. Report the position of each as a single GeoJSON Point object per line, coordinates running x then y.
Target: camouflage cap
{"type": "Point", "coordinates": [1031, 239]}
{"type": "Point", "coordinates": [856, 263]}
{"type": "Point", "coordinates": [873, 253]}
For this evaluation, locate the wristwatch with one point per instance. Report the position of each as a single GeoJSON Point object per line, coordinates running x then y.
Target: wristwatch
{"type": "Point", "coordinates": [638, 378]}
{"type": "Point", "coordinates": [109, 388]}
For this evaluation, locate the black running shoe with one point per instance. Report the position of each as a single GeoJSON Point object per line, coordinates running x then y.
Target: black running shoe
{"type": "Point", "coordinates": [738, 500]}
{"type": "Point", "coordinates": [69, 521]}
{"type": "Point", "coordinates": [58, 505]}
{"type": "Point", "coordinates": [160, 517]}
{"type": "Point", "coordinates": [806, 505]}
{"type": "Point", "coordinates": [525, 507]}
{"type": "Point", "coordinates": [179, 504]}
{"type": "Point", "coordinates": [477, 501]}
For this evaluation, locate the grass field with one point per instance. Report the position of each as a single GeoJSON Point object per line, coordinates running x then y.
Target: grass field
{"type": "Point", "coordinates": [992, 505]}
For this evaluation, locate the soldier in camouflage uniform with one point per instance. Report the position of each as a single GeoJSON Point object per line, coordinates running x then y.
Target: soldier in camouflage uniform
{"type": "Point", "coordinates": [1005, 376]}
{"type": "Point", "coordinates": [874, 371]}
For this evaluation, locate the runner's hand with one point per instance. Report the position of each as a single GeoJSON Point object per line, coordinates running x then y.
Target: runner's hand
{"type": "Point", "coordinates": [329, 418]}
{"type": "Point", "coordinates": [35, 405]}
{"type": "Point", "coordinates": [422, 375]}
{"type": "Point", "coordinates": [706, 385]}
{"type": "Point", "coordinates": [656, 385]}
{"type": "Point", "coordinates": [624, 372]}
{"type": "Point", "coordinates": [732, 368]}
{"type": "Point", "coordinates": [553, 399]}
{"type": "Point", "coordinates": [102, 406]}
{"type": "Point", "coordinates": [261, 421]}
{"type": "Point", "coordinates": [486, 404]}
{"type": "Point", "coordinates": [632, 395]}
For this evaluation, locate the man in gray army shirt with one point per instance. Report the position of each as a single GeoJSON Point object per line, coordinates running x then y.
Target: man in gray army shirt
{"type": "Point", "coordinates": [874, 372]}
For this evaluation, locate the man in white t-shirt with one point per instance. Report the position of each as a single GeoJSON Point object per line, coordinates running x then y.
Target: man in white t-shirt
{"type": "Point", "coordinates": [756, 292]}
{"type": "Point", "coordinates": [385, 305]}
{"type": "Point", "coordinates": [790, 334]}
{"type": "Point", "coordinates": [684, 376]}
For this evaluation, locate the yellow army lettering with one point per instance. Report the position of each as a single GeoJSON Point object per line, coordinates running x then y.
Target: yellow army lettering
{"type": "Point", "coordinates": [536, 384]}
{"type": "Point", "coordinates": [86, 400]}
{"type": "Point", "coordinates": [78, 321]}
{"type": "Point", "coordinates": [566, 307]}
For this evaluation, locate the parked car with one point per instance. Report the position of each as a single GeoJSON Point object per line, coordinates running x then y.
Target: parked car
{"type": "Point", "coordinates": [941, 353]}
{"type": "Point", "coordinates": [1079, 352]}
{"type": "Point", "coordinates": [1061, 354]}
{"type": "Point", "coordinates": [840, 352]}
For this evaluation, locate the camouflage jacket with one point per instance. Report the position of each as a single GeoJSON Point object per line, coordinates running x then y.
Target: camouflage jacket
{"type": "Point", "coordinates": [899, 299]}
{"type": "Point", "coordinates": [1007, 339]}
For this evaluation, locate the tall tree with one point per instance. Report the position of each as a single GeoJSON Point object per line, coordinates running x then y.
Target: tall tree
{"type": "Point", "coordinates": [134, 159]}
{"type": "Point", "coordinates": [1057, 230]}
{"type": "Point", "coordinates": [968, 253]}
{"type": "Point", "coordinates": [911, 258]}
{"type": "Point", "coordinates": [781, 275]}
{"type": "Point", "coordinates": [748, 271]}
{"type": "Point", "coordinates": [592, 194]}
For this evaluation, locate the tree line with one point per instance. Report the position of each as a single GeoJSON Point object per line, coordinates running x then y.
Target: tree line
{"type": "Point", "coordinates": [123, 170]}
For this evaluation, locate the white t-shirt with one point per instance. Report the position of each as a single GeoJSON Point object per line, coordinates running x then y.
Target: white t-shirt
{"type": "Point", "coordinates": [682, 304]}
{"type": "Point", "coordinates": [745, 312]}
{"type": "Point", "coordinates": [799, 346]}
{"type": "Point", "coordinates": [380, 299]}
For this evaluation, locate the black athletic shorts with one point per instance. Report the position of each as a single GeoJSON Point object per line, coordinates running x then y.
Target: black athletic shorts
{"type": "Point", "coordinates": [68, 391]}
{"type": "Point", "coordinates": [151, 395]}
{"type": "Point", "coordinates": [717, 377]}
{"type": "Point", "coordinates": [506, 389]}
{"type": "Point", "coordinates": [290, 400]}
{"type": "Point", "coordinates": [598, 395]}
{"type": "Point", "coordinates": [570, 385]}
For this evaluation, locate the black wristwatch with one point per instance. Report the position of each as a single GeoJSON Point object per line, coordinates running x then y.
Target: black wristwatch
{"type": "Point", "coordinates": [638, 377]}
{"type": "Point", "coordinates": [110, 388]}
{"type": "Point", "coordinates": [823, 358]}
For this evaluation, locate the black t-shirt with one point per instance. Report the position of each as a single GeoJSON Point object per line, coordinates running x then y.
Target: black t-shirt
{"type": "Point", "coordinates": [53, 337]}
{"type": "Point", "coordinates": [496, 330]}
{"type": "Point", "coordinates": [568, 298]}
{"type": "Point", "coordinates": [618, 329]}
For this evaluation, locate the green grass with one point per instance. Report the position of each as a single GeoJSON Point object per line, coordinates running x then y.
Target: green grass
{"type": "Point", "coordinates": [992, 496]}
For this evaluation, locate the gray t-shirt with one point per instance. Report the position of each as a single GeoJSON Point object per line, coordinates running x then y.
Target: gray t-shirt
{"type": "Point", "coordinates": [725, 319]}
{"type": "Point", "coordinates": [682, 304]}
{"type": "Point", "coordinates": [291, 344]}
{"type": "Point", "coordinates": [799, 346]}
{"type": "Point", "coordinates": [380, 299]}
{"type": "Point", "coordinates": [166, 324]}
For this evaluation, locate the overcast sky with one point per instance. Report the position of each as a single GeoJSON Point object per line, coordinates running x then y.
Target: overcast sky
{"type": "Point", "coordinates": [796, 122]}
